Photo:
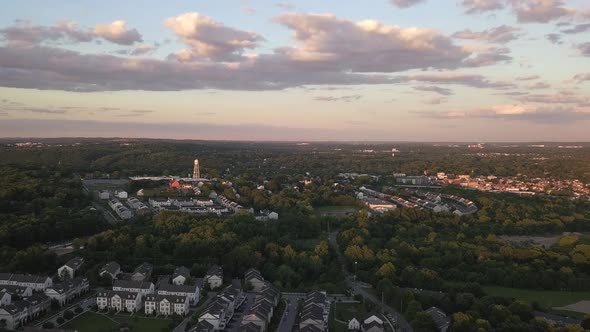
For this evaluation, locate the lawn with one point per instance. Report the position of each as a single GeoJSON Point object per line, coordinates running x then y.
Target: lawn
{"type": "Point", "coordinates": [345, 312]}
{"type": "Point", "coordinates": [94, 322]}
{"type": "Point", "coordinates": [547, 299]}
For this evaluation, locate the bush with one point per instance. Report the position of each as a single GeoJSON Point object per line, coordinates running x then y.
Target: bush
{"type": "Point", "coordinates": [48, 325]}
{"type": "Point", "coordinates": [78, 310]}
{"type": "Point", "coordinates": [60, 320]}
{"type": "Point", "coordinates": [68, 314]}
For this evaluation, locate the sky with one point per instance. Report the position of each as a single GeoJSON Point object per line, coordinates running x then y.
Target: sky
{"type": "Point", "coordinates": [297, 70]}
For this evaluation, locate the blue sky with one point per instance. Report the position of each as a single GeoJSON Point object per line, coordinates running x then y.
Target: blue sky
{"type": "Point", "coordinates": [436, 70]}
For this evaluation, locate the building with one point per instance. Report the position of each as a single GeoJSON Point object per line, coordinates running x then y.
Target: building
{"type": "Point", "coordinates": [17, 290]}
{"type": "Point", "coordinates": [440, 319]}
{"type": "Point", "coordinates": [65, 292]}
{"type": "Point", "coordinates": [379, 205]}
{"type": "Point", "coordinates": [36, 283]}
{"type": "Point", "coordinates": [315, 311]}
{"type": "Point", "coordinates": [354, 324]}
{"type": "Point", "coordinates": [119, 301]}
{"type": "Point", "coordinates": [123, 212]}
{"type": "Point", "coordinates": [215, 314]}
{"type": "Point", "coordinates": [181, 275]}
{"type": "Point", "coordinates": [137, 205]}
{"type": "Point", "coordinates": [68, 270]}
{"type": "Point", "coordinates": [373, 324]}
{"type": "Point", "coordinates": [254, 280]}
{"type": "Point", "coordinates": [143, 272]}
{"type": "Point", "coordinates": [196, 170]}
{"type": "Point", "coordinates": [265, 215]}
{"type": "Point", "coordinates": [122, 194]}
{"type": "Point", "coordinates": [112, 269]}
{"type": "Point", "coordinates": [191, 292]}
{"type": "Point", "coordinates": [142, 287]}
{"type": "Point", "coordinates": [166, 305]}
{"type": "Point", "coordinates": [214, 277]}
{"type": "Point", "coordinates": [104, 195]}
{"type": "Point", "coordinates": [5, 298]}
{"type": "Point", "coordinates": [18, 313]}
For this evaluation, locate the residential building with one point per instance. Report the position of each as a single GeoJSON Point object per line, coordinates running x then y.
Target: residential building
{"type": "Point", "coordinates": [122, 194]}
{"type": "Point", "coordinates": [36, 283]}
{"type": "Point", "coordinates": [123, 212]}
{"type": "Point", "coordinates": [315, 311]}
{"type": "Point", "coordinates": [5, 298]}
{"type": "Point", "coordinates": [17, 290]}
{"type": "Point", "coordinates": [17, 313]}
{"type": "Point", "coordinates": [354, 324]}
{"type": "Point", "coordinates": [373, 324]}
{"type": "Point", "coordinates": [250, 327]}
{"type": "Point", "coordinates": [203, 326]}
{"type": "Point", "coordinates": [215, 314]}
{"type": "Point", "coordinates": [68, 270]}
{"type": "Point", "coordinates": [192, 292]}
{"type": "Point", "coordinates": [64, 292]}
{"type": "Point", "coordinates": [104, 195]}
{"type": "Point", "coordinates": [166, 305]}
{"type": "Point", "coordinates": [441, 319]}
{"type": "Point", "coordinates": [142, 287]}
{"type": "Point", "coordinates": [143, 272]}
{"type": "Point", "coordinates": [112, 269]}
{"type": "Point", "coordinates": [181, 275]}
{"type": "Point", "coordinates": [119, 301]}
{"type": "Point", "coordinates": [253, 279]}
{"type": "Point", "coordinates": [214, 277]}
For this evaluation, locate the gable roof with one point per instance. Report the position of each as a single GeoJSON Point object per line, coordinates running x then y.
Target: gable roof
{"type": "Point", "coordinates": [132, 284]}
{"type": "Point", "coordinates": [181, 271]}
{"type": "Point", "coordinates": [253, 274]}
{"type": "Point", "coordinates": [75, 263]}
{"type": "Point", "coordinates": [144, 268]}
{"type": "Point", "coordinates": [250, 327]}
{"type": "Point", "coordinates": [177, 288]}
{"type": "Point", "coordinates": [111, 268]}
{"type": "Point", "coordinates": [215, 270]}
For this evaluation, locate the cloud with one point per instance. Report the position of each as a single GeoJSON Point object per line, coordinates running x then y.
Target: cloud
{"type": "Point", "coordinates": [209, 39]}
{"type": "Point", "coordinates": [579, 78]}
{"type": "Point", "coordinates": [555, 38]}
{"type": "Point", "coordinates": [528, 78]}
{"type": "Point", "coordinates": [470, 80]}
{"type": "Point", "coordinates": [405, 3]}
{"type": "Point", "coordinates": [330, 43]}
{"type": "Point", "coordinates": [481, 6]}
{"type": "Point", "coordinates": [117, 33]}
{"type": "Point", "coordinates": [490, 57]}
{"type": "Point", "coordinates": [577, 29]}
{"type": "Point", "coordinates": [584, 49]}
{"type": "Point", "coordinates": [143, 49]}
{"type": "Point", "coordinates": [500, 35]}
{"type": "Point", "coordinates": [436, 89]}
{"type": "Point", "coordinates": [539, 86]}
{"type": "Point", "coordinates": [249, 10]}
{"type": "Point", "coordinates": [522, 112]}
{"type": "Point", "coordinates": [435, 100]}
{"type": "Point", "coordinates": [557, 98]}
{"type": "Point", "coordinates": [23, 32]}
{"type": "Point", "coordinates": [540, 11]}
{"type": "Point", "coordinates": [347, 99]}
{"type": "Point", "coordinates": [285, 5]}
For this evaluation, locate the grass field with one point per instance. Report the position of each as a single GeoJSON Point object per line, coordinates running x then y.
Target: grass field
{"type": "Point", "coordinates": [547, 299]}
{"type": "Point", "coordinates": [94, 322]}
{"type": "Point", "coordinates": [345, 312]}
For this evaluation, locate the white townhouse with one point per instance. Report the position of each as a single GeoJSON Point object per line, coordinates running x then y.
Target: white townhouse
{"type": "Point", "coordinates": [17, 290]}
{"type": "Point", "coordinates": [181, 275]}
{"type": "Point", "coordinates": [5, 298]}
{"type": "Point", "coordinates": [36, 283]}
{"type": "Point", "coordinates": [166, 305]}
{"type": "Point", "coordinates": [191, 292]}
{"type": "Point", "coordinates": [119, 301]}
{"type": "Point", "coordinates": [68, 270]}
{"type": "Point", "coordinates": [64, 292]}
{"type": "Point", "coordinates": [214, 277]}
{"type": "Point", "coordinates": [142, 287]}
{"type": "Point", "coordinates": [18, 313]}
{"type": "Point", "coordinates": [215, 314]}
{"type": "Point", "coordinates": [354, 324]}
{"type": "Point", "coordinates": [112, 269]}
{"type": "Point", "coordinates": [254, 279]}
{"type": "Point", "coordinates": [143, 272]}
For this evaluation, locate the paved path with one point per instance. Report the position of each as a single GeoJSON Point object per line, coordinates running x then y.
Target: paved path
{"type": "Point", "coordinates": [290, 313]}
{"type": "Point", "coordinates": [403, 324]}
{"type": "Point", "coordinates": [86, 303]}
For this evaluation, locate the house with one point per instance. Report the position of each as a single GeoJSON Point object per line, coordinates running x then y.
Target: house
{"type": "Point", "coordinates": [181, 275]}
{"type": "Point", "coordinates": [250, 327]}
{"type": "Point", "coordinates": [122, 194]}
{"type": "Point", "coordinates": [440, 319]}
{"type": "Point", "coordinates": [315, 311]}
{"type": "Point", "coordinates": [123, 212]}
{"type": "Point", "coordinates": [36, 283]}
{"type": "Point", "coordinates": [215, 314]}
{"type": "Point", "coordinates": [214, 277]}
{"type": "Point", "coordinates": [104, 195]}
{"type": "Point", "coordinates": [39, 304]}
{"type": "Point", "coordinates": [203, 326]}
{"type": "Point", "coordinates": [234, 297]}
{"type": "Point", "coordinates": [112, 269]}
{"type": "Point", "coordinates": [166, 305]}
{"type": "Point", "coordinates": [17, 290]}
{"type": "Point", "coordinates": [5, 298]}
{"type": "Point", "coordinates": [354, 325]}
{"type": "Point", "coordinates": [253, 279]}
{"type": "Point", "coordinates": [373, 324]}
{"type": "Point", "coordinates": [18, 313]}
{"type": "Point", "coordinates": [119, 301]}
{"type": "Point", "coordinates": [143, 272]}
{"type": "Point", "coordinates": [64, 292]}
{"type": "Point", "coordinates": [68, 270]}
{"type": "Point", "coordinates": [192, 292]}
{"type": "Point", "coordinates": [141, 287]}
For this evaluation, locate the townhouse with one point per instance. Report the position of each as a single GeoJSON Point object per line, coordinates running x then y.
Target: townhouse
{"type": "Point", "coordinates": [315, 311]}
{"type": "Point", "coordinates": [143, 272]}
{"type": "Point", "coordinates": [214, 277]}
{"type": "Point", "coordinates": [36, 283]}
{"type": "Point", "coordinates": [68, 270]}
{"type": "Point", "coordinates": [254, 280]}
{"type": "Point", "coordinates": [373, 324]}
{"type": "Point", "coordinates": [191, 292]}
{"type": "Point", "coordinates": [17, 290]}
{"type": "Point", "coordinates": [119, 300]}
{"type": "Point", "coordinates": [141, 287]}
{"type": "Point", "coordinates": [181, 275]}
{"type": "Point", "coordinates": [220, 311]}
{"type": "Point", "coordinates": [111, 269]}
{"type": "Point", "coordinates": [64, 292]}
{"type": "Point", "coordinates": [166, 305]}
{"type": "Point", "coordinates": [18, 313]}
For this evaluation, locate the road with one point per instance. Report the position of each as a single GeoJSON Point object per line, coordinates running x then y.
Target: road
{"type": "Point", "coordinates": [290, 314]}
{"type": "Point", "coordinates": [403, 324]}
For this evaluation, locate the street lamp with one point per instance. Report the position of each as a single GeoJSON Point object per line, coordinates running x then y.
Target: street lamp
{"type": "Point", "coordinates": [355, 263]}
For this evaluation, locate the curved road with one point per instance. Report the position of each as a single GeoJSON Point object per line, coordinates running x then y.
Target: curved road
{"type": "Point", "coordinates": [403, 324]}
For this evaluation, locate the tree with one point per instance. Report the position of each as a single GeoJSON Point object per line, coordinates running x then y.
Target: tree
{"type": "Point", "coordinates": [423, 322]}
{"type": "Point", "coordinates": [386, 270]}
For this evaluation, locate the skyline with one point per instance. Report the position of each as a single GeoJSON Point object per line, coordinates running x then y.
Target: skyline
{"type": "Point", "coordinates": [399, 70]}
